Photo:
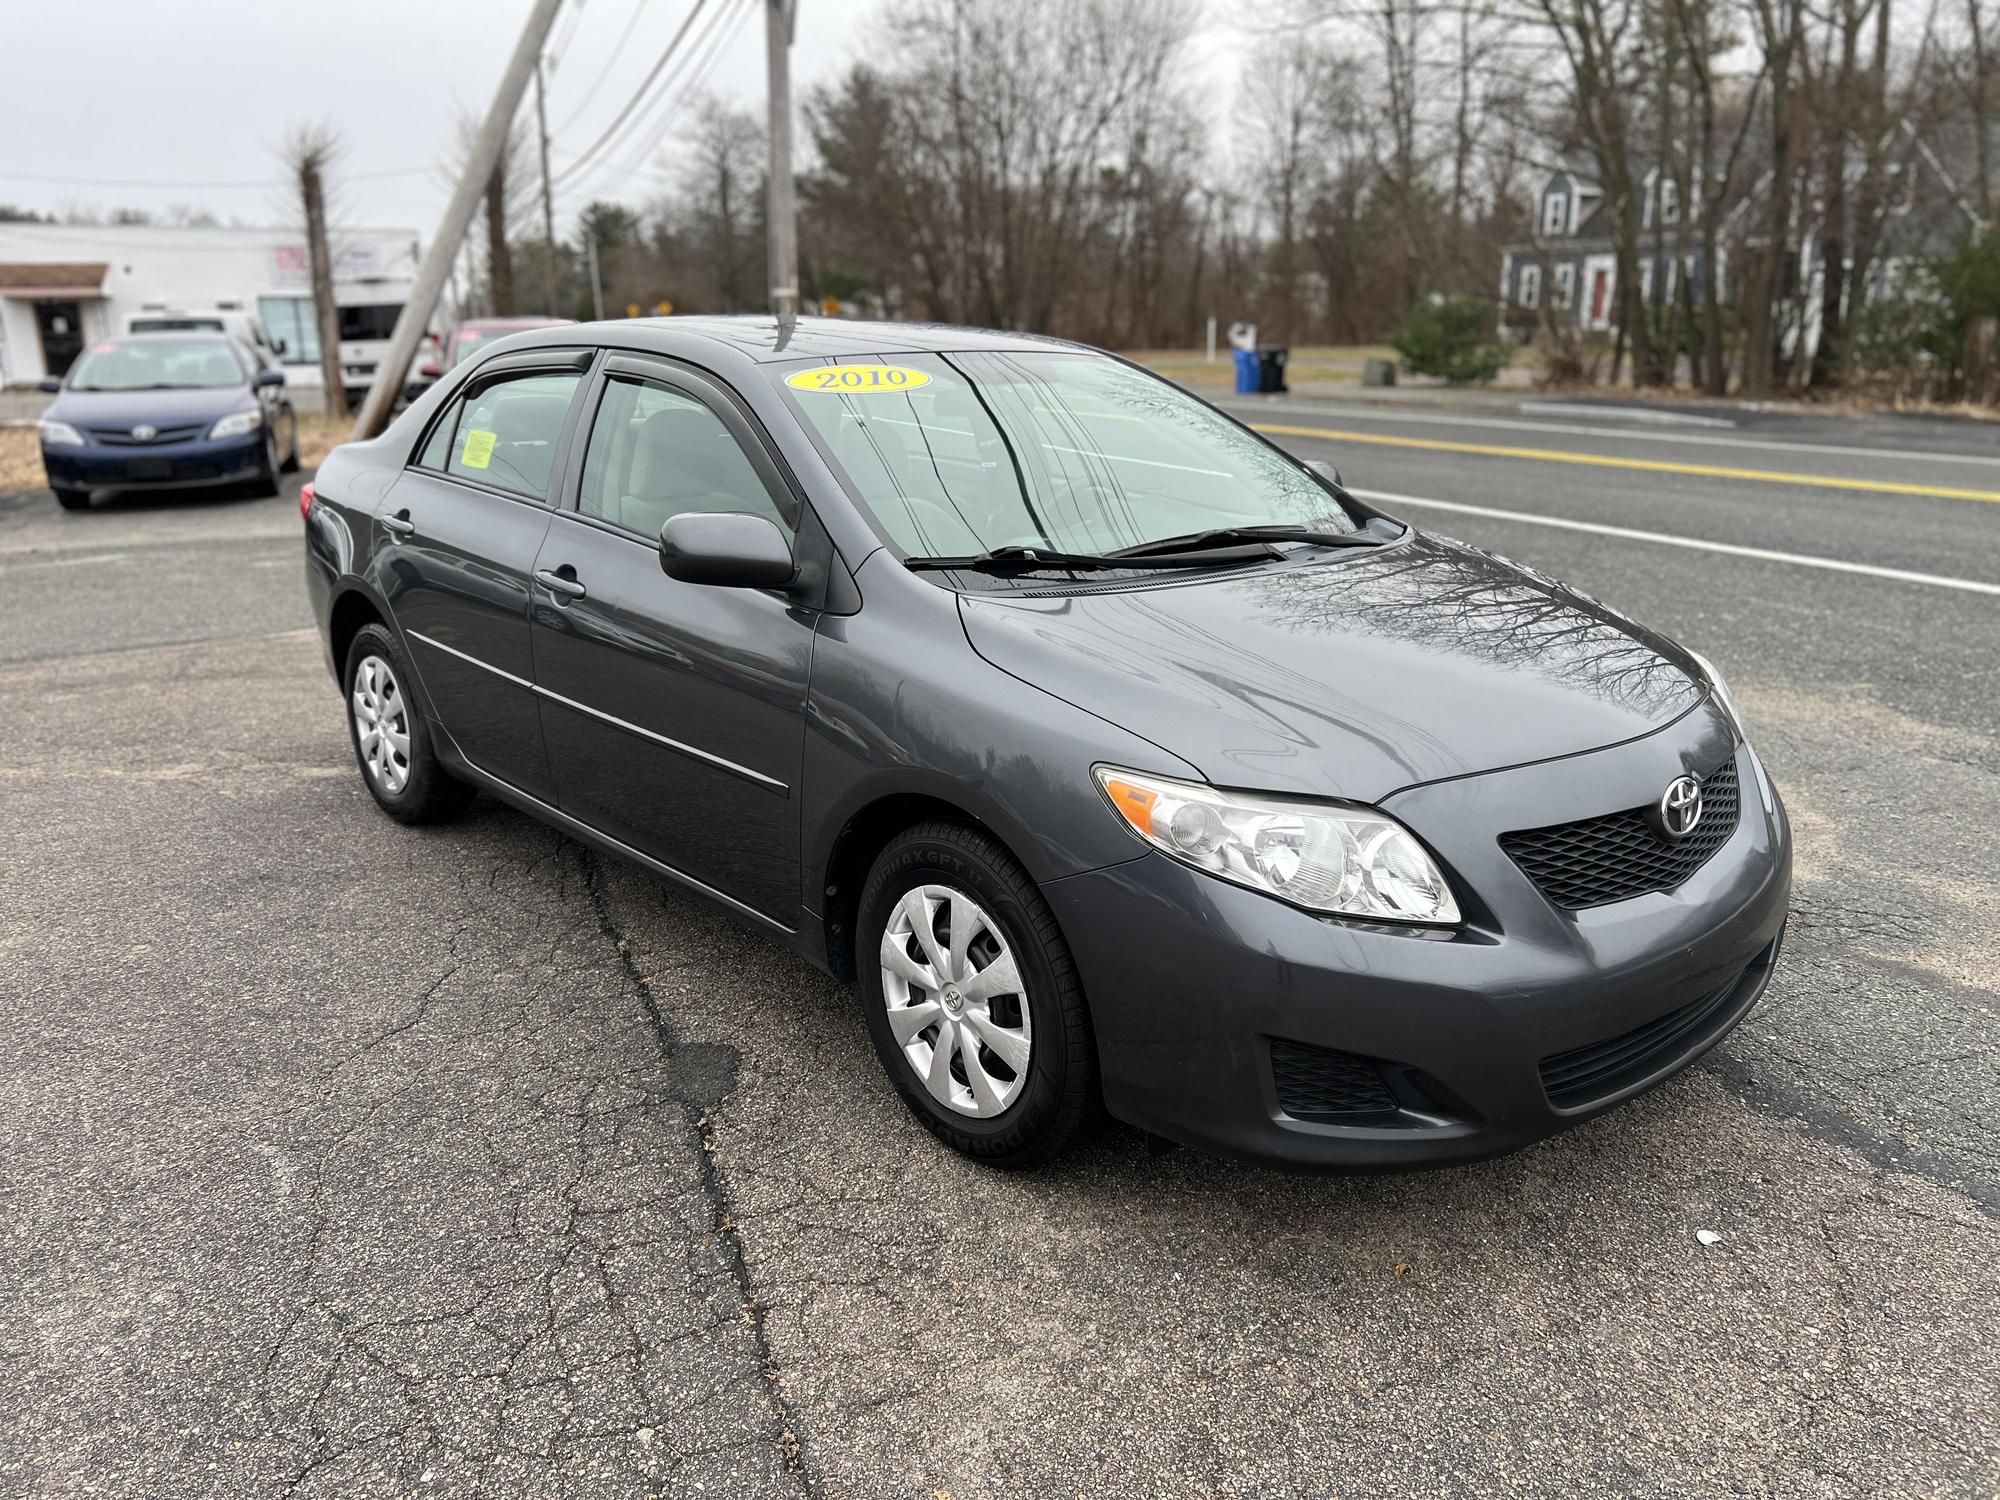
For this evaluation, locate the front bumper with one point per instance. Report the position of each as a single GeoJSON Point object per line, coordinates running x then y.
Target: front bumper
{"type": "Point", "coordinates": [1212, 1002]}
{"type": "Point", "coordinates": [187, 465]}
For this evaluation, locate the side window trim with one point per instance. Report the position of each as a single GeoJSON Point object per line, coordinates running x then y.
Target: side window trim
{"type": "Point", "coordinates": [525, 362]}
{"type": "Point", "coordinates": [729, 408]}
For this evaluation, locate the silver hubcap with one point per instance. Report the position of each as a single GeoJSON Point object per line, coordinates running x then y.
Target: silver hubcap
{"type": "Point", "coordinates": [956, 1004]}
{"type": "Point", "coordinates": [381, 724]}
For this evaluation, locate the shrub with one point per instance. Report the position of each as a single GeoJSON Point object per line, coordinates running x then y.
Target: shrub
{"type": "Point", "coordinates": [1452, 338]}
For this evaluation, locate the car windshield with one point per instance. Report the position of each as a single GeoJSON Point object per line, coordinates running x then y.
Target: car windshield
{"type": "Point", "coordinates": [960, 454]}
{"type": "Point", "coordinates": [158, 364]}
{"type": "Point", "coordinates": [469, 339]}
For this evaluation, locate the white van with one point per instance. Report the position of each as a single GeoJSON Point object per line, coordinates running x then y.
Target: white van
{"type": "Point", "coordinates": [234, 321]}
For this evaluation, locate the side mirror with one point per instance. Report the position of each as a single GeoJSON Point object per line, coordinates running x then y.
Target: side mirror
{"type": "Point", "coordinates": [48, 383]}
{"type": "Point", "coordinates": [726, 550]}
{"type": "Point", "coordinates": [270, 377]}
{"type": "Point", "coordinates": [1326, 471]}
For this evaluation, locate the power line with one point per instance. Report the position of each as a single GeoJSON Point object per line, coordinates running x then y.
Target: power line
{"type": "Point", "coordinates": [633, 103]}
{"type": "Point", "coordinates": [65, 180]}
{"type": "Point", "coordinates": [689, 64]}
{"type": "Point", "coordinates": [721, 31]}
{"type": "Point", "coordinates": [617, 51]}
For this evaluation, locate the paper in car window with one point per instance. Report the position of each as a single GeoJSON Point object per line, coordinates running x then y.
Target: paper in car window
{"type": "Point", "coordinates": [478, 451]}
{"type": "Point", "coordinates": [858, 380]}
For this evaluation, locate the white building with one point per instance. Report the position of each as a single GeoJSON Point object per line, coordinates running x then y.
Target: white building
{"type": "Point", "coordinates": [62, 285]}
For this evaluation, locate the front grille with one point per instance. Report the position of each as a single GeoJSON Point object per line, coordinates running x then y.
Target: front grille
{"type": "Point", "coordinates": [1318, 1083]}
{"type": "Point", "coordinates": [121, 437]}
{"type": "Point", "coordinates": [1620, 855]}
{"type": "Point", "coordinates": [1576, 1078]}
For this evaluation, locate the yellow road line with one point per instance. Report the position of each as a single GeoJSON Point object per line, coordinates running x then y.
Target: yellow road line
{"type": "Point", "coordinates": [1649, 465]}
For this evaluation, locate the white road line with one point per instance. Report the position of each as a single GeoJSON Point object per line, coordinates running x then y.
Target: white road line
{"type": "Point", "coordinates": [1364, 414]}
{"type": "Point", "coordinates": [1666, 539]}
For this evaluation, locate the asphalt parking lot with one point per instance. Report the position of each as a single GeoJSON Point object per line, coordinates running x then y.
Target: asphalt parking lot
{"type": "Point", "coordinates": [338, 1158]}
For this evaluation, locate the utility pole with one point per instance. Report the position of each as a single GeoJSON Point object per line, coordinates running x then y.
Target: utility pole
{"type": "Point", "coordinates": [778, 16]}
{"type": "Point", "coordinates": [395, 366]}
{"type": "Point", "coordinates": [596, 280]}
{"type": "Point", "coordinates": [548, 196]}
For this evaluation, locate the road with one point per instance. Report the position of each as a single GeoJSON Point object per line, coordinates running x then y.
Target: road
{"type": "Point", "coordinates": [338, 1158]}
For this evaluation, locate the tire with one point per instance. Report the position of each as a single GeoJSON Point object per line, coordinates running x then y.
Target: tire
{"type": "Point", "coordinates": [70, 499]}
{"type": "Point", "coordinates": [266, 484]}
{"type": "Point", "coordinates": [291, 463]}
{"type": "Point", "coordinates": [1020, 1117]}
{"type": "Point", "coordinates": [410, 786]}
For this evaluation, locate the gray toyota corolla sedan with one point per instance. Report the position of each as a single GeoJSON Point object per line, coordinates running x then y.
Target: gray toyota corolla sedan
{"type": "Point", "coordinates": [1117, 755]}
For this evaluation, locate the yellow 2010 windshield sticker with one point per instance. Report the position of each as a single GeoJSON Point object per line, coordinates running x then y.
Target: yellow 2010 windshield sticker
{"type": "Point", "coordinates": [478, 450]}
{"type": "Point", "coordinates": [858, 380]}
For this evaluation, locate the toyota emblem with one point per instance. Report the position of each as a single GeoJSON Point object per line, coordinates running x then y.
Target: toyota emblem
{"type": "Point", "coordinates": [145, 433]}
{"type": "Point", "coordinates": [1680, 807]}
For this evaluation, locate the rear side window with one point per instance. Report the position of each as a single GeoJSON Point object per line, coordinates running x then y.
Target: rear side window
{"type": "Point", "coordinates": [504, 434]}
{"type": "Point", "coordinates": [657, 453]}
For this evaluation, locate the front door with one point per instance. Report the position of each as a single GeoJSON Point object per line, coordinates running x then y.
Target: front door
{"type": "Point", "coordinates": [61, 327]}
{"type": "Point", "coordinates": [458, 535]}
{"type": "Point", "coordinates": [674, 713]}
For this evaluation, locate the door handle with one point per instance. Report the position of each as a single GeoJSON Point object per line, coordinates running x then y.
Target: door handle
{"type": "Point", "coordinates": [399, 525]}
{"type": "Point", "coordinates": [556, 583]}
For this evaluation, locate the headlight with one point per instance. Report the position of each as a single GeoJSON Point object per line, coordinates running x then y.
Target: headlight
{"type": "Point", "coordinates": [238, 423]}
{"type": "Point", "coordinates": [1722, 694]}
{"type": "Point", "coordinates": [56, 434]}
{"type": "Point", "coordinates": [1312, 854]}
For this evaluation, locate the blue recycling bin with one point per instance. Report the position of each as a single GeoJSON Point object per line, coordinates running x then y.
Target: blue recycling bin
{"type": "Point", "coordinates": [1247, 372]}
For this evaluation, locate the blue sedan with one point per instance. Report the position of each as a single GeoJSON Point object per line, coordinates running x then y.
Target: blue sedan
{"type": "Point", "coordinates": [167, 411]}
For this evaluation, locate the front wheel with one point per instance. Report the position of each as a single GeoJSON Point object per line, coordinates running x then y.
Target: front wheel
{"type": "Point", "coordinates": [973, 1001]}
{"type": "Point", "coordinates": [266, 483]}
{"type": "Point", "coordinates": [392, 743]}
{"type": "Point", "coordinates": [291, 463]}
{"type": "Point", "coordinates": [71, 499]}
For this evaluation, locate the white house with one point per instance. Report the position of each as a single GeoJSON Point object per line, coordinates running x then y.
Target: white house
{"type": "Point", "coordinates": [62, 285]}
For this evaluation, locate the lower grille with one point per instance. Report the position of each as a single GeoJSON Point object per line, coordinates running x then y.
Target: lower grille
{"type": "Point", "coordinates": [1318, 1083]}
{"type": "Point", "coordinates": [1621, 855]}
{"type": "Point", "coordinates": [1587, 1074]}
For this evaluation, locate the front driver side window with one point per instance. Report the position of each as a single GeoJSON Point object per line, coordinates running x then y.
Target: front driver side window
{"type": "Point", "coordinates": [656, 453]}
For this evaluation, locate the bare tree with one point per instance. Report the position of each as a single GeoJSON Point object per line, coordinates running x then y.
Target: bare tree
{"type": "Point", "coordinates": [1597, 40]}
{"type": "Point", "coordinates": [308, 152]}
{"type": "Point", "coordinates": [1777, 25]}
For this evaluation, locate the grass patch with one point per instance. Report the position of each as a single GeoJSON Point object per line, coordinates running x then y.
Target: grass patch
{"type": "Point", "coordinates": [20, 460]}
{"type": "Point", "coordinates": [319, 435]}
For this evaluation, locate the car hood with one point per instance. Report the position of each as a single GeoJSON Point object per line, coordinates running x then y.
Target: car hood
{"type": "Point", "coordinates": [161, 408]}
{"type": "Point", "coordinates": [1350, 677]}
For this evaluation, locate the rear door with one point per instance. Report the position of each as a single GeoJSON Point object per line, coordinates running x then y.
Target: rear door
{"type": "Point", "coordinates": [458, 537]}
{"type": "Point", "coordinates": [674, 712]}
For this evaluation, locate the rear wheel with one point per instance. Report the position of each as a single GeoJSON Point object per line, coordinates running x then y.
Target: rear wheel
{"type": "Point", "coordinates": [973, 1000]}
{"type": "Point", "coordinates": [71, 499]}
{"type": "Point", "coordinates": [392, 744]}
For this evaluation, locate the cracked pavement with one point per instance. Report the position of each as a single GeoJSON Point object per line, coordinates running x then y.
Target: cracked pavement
{"type": "Point", "coordinates": [340, 1158]}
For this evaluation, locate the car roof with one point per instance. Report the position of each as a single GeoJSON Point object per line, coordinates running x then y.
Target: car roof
{"type": "Point", "coordinates": [171, 336]}
{"type": "Point", "coordinates": [763, 339]}
{"type": "Point", "coordinates": [515, 322]}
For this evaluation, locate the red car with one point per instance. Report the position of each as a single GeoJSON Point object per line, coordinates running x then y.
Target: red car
{"type": "Point", "coordinates": [476, 333]}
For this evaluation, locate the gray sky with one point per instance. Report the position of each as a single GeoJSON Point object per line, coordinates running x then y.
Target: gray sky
{"type": "Point", "coordinates": [147, 105]}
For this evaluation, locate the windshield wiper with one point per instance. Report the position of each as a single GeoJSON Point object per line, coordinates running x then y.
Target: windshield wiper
{"type": "Point", "coordinates": [1224, 536]}
{"type": "Point", "coordinates": [1014, 556]}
